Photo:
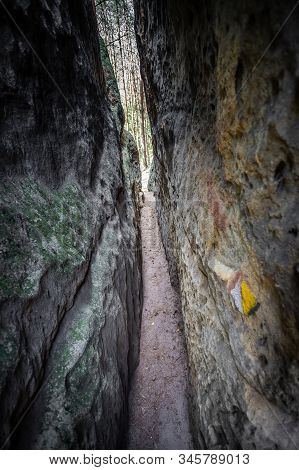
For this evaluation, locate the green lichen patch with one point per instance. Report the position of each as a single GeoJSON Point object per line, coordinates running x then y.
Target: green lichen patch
{"type": "Point", "coordinates": [76, 379]}
{"type": "Point", "coordinates": [39, 227]}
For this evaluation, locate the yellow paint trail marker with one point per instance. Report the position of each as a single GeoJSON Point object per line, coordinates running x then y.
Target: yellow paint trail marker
{"type": "Point", "coordinates": [238, 288]}
{"type": "Point", "coordinates": [248, 299]}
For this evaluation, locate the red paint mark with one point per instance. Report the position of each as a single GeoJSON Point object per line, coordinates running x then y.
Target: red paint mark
{"type": "Point", "coordinates": [215, 206]}
{"type": "Point", "coordinates": [233, 281]}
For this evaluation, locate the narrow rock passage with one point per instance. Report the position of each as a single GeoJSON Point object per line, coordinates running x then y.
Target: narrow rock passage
{"type": "Point", "coordinates": [158, 413]}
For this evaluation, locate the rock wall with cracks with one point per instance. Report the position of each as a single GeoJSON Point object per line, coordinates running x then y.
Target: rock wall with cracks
{"type": "Point", "coordinates": [70, 259]}
{"type": "Point", "coordinates": [226, 176]}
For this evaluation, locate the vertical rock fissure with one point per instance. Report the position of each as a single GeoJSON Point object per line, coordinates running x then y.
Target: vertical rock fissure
{"type": "Point", "coordinates": [218, 228]}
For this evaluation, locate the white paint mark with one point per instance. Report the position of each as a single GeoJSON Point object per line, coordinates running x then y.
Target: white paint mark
{"type": "Point", "coordinates": [237, 295]}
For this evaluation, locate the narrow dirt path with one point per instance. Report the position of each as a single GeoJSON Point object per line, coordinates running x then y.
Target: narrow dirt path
{"type": "Point", "coordinates": [158, 414]}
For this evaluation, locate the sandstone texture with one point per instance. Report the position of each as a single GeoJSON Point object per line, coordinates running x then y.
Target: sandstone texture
{"type": "Point", "coordinates": [70, 243]}
{"type": "Point", "coordinates": [152, 176]}
{"type": "Point", "coordinates": [225, 121]}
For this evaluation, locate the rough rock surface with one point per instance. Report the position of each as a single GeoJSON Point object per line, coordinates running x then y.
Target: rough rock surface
{"type": "Point", "coordinates": [70, 258]}
{"type": "Point", "coordinates": [226, 145]}
{"type": "Point", "coordinates": [151, 180]}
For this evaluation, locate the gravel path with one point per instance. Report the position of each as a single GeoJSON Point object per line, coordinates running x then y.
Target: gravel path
{"type": "Point", "coordinates": [158, 414]}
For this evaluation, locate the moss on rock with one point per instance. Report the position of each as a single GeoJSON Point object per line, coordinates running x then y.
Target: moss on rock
{"type": "Point", "coordinates": [39, 228]}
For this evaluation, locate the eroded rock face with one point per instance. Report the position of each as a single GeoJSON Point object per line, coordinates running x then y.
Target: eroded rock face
{"type": "Point", "coordinates": [226, 146]}
{"type": "Point", "coordinates": [70, 259]}
{"type": "Point", "coordinates": [152, 176]}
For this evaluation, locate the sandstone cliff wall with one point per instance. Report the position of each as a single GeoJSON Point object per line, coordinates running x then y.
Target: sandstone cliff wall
{"type": "Point", "coordinates": [70, 259]}
{"type": "Point", "coordinates": [226, 174]}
